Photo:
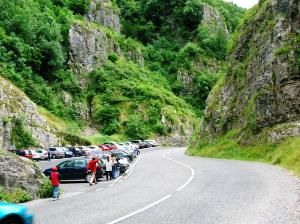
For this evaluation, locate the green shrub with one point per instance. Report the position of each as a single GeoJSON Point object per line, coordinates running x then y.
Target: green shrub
{"type": "Point", "coordinates": [46, 189]}
{"type": "Point", "coordinates": [136, 129]}
{"type": "Point", "coordinates": [111, 128]}
{"type": "Point", "coordinates": [113, 57]}
{"type": "Point", "coordinates": [16, 196]}
{"type": "Point", "coordinates": [21, 137]}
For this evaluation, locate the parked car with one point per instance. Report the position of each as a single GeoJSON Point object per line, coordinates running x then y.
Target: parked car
{"type": "Point", "coordinates": [153, 143]}
{"type": "Point", "coordinates": [114, 145]}
{"type": "Point", "coordinates": [25, 153]}
{"type": "Point", "coordinates": [76, 151]}
{"type": "Point", "coordinates": [122, 154]}
{"type": "Point", "coordinates": [68, 152]}
{"type": "Point", "coordinates": [14, 214]}
{"type": "Point", "coordinates": [123, 164]}
{"type": "Point", "coordinates": [106, 147]}
{"type": "Point", "coordinates": [139, 143]}
{"type": "Point", "coordinates": [35, 155]}
{"type": "Point", "coordinates": [43, 153]}
{"type": "Point", "coordinates": [84, 149]}
{"type": "Point", "coordinates": [147, 144]}
{"type": "Point", "coordinates": [75, 169]}
{"type": "Point", "coordinates": [56, 152]}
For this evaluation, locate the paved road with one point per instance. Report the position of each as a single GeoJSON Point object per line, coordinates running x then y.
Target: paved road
{"type": "Point", "coordinates": [166, 186]}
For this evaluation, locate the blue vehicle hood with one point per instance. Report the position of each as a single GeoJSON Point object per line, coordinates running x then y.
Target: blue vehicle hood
{"type": "Point", "coordinates": [6, 209]}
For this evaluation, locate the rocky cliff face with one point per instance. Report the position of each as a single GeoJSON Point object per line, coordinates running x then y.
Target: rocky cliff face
{"type": "Point", "coordinates": [17, 172]}
{"type": "Point", "coordinates": [103, 12]}
{"type": "Point", "coordinates": [15, 104]}
{"type": "Point", "coordinates": [261, 92]}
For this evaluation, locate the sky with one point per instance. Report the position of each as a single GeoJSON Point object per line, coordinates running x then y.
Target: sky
{"type": "Point", "coordinates": [244, 3]}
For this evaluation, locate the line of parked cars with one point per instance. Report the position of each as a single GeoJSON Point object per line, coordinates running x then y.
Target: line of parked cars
{"type": "Point", "coordinates": [76, 169]}
{"type": "Point", "coordinates": [77, 151]}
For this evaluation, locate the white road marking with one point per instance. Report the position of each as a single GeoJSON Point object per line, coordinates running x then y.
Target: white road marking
{"type": "Point", "coordinates": [111, 185]}
{"type": "Point", "coordinates": [140, 210]}
{"type": "Point", "coordinates": [71, 194]}
{"type": "Point", "coordinates": [162, 199]}
{"type": "Point", "coordinates": [187, 166]}
{"type": "Point", "coordinates": [99, 189]}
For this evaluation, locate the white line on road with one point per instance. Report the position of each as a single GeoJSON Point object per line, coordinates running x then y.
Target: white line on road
{"type": "Point", "coordinates": [162, 199]}
{"type": "Point", "coordinates": [99, 189]}
{"type": "Point", "coordinates": [187, 166]}
{"type": "Point", "coordinates": [140, 210]}
{"type": "Point", "coordinates": [71, 194]}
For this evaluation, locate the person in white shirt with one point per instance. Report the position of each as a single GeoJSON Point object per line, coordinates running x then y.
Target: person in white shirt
{"type": "Point", "coordinates": [108, 168]}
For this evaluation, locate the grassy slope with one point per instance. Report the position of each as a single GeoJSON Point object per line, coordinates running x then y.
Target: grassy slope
{"type": "Point", "coordinates": [285, 154]}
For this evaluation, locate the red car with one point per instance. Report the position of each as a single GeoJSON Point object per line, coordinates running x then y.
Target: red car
{"type": "Point", "coordinates": [25, 153]}
{"type": "Point", "coordinates": [106, 147]}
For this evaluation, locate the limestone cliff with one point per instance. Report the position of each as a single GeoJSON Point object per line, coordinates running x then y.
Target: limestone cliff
{"type": "Point", "coordinates": [15, 104]}
{"type": "Point", "coordinates": [103, 12]}
{"type": "Point", "coordinates": [261, 93]}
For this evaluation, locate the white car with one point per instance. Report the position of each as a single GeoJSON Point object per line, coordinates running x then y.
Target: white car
{"type": "Point", "coordinates": [35, 155]}
{"type": "Point", "coordinates": [153, 143]}
{"type": "Point", "coordinates": [43, 153]}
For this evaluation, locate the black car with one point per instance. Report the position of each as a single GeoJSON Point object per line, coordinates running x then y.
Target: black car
{"type": "Point", "coordinates": [122, 154]}
{"type": "Point", "coordinates": [75, 169]}
{"type": "Point", "coordinates": [76, 151]}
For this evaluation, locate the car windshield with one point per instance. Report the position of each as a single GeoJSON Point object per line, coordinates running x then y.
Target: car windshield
{"type": "Point", "coordinates": [66, 164]}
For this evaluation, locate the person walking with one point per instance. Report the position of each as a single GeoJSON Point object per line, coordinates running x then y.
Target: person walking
{"type": "Point", "coordinates": [114, 167]}
{"type": "Point", "coordinates": [49, 155]}
{"type": "Point", "coordinates": [55, 181]}
{"type": "Point", "coordinates": [108, 168]}
{"type": "Point", "coordinates": [92, 166]}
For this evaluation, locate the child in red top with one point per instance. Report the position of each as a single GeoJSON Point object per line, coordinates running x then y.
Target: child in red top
{"type": "Point", "coordinates": [55, 181]}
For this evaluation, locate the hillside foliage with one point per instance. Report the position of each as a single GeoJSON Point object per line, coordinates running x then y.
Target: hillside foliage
{"type": "Point", "coordinates": [34, 55]}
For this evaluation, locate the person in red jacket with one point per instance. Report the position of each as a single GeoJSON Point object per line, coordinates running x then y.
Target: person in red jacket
{"type": "Point", "coordinates": [55, 180]}
{"type": "Point", "coordinates": [92, 166]}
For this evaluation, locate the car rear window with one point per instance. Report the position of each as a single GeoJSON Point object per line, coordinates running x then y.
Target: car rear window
{"type": "Point", "coordinates": [80, 163]}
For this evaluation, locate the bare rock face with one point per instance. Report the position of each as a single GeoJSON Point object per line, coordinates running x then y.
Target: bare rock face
{"type": "Point", "coordinates": [262, 87]}
{"type": "Point", "coordinates": [104, 13]}
{"type": "Point", "coordinates": [89, 49]}
{"type": "Point", "coordinates": [14, 103]}
{"type": "Point", "coordinates": [17, 172]}
{"type": "Point", "coordinates": [213, 17]}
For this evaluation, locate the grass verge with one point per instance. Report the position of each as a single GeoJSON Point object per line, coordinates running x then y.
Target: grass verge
{"type": "Point", "coordinates": [285, 154]}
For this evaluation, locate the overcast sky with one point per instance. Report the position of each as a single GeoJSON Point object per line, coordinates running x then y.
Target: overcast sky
{"type": "Point", "coordinates": [244, 3]}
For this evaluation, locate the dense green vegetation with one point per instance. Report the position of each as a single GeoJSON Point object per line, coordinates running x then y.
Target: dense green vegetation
{"type": "Point", "coordinates": [124, 98]}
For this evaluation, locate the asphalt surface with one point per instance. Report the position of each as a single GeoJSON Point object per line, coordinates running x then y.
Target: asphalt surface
{"type": "Point", "coordinates": [166, 186]}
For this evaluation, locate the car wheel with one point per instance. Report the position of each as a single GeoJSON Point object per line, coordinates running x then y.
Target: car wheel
{"type": "Point", "coordinates": [53, 156]}
{"type": "Point", "coordinates": [88, 177]}
{"type": "Point", "coordinates": [12, 220]}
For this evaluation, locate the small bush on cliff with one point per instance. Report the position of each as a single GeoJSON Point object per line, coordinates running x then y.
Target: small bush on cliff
{"type": "Point", "coordinates": [136, 128]}
{"type": "Point", "coordinates": [21, 137]}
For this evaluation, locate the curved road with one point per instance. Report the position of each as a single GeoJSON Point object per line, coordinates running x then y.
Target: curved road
{"type": "Point", "coordinates": [166, 186]}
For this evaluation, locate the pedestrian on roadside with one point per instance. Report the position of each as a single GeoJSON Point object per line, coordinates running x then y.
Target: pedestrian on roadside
{"type": "Point", "coordinates": [55, 181]}
{"type": "Point", "coordinates": [108, 168]}
{"type": "Point", "coordinates": [114, 167]}
{"type": "Point", "coordinates": [49, 155]}
{"type": "Point", "coordinates": [92, 166]}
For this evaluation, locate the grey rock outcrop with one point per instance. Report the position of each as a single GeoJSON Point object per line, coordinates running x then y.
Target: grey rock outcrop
{"type": "Point", "coordinates": [212, 17]}
{"type": "Point", "coordinates": [14, 103]}
{"type": "Point", "coordinates": [17, 172]}
{"type": "Point", "coordinates": [104, 13]}
{"type": "Point", "coordinates": [262, 87]}
{"type": "Point", "coordinates": [89, 48]}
